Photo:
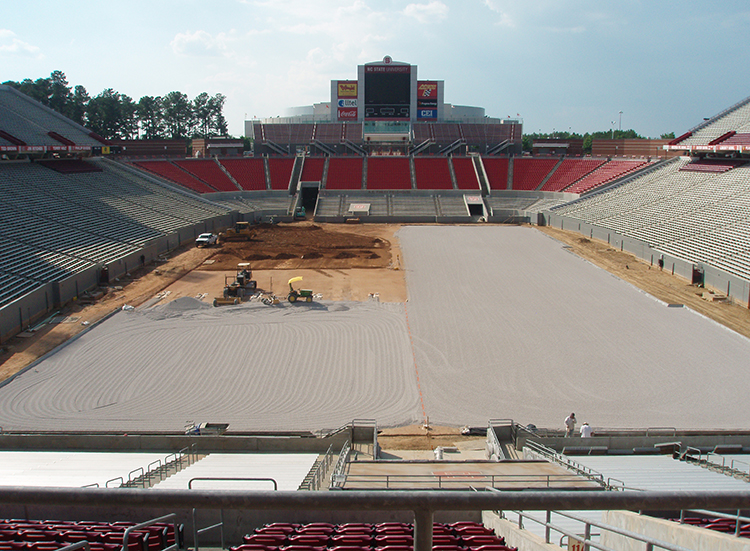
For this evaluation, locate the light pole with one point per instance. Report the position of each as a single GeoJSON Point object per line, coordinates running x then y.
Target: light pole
{"type": "Point", "coordinates": [620, 127]}
{"type": "Point", "coordinates": [612, 126]}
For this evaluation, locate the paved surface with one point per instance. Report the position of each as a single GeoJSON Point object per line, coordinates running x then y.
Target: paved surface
{"type": "Point", "coordinates": [505, 323]}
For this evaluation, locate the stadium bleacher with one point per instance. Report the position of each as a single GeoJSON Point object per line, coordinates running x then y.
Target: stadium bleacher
{"type": "Point", "coordinates": [173, 173]}
{"type": "Point", "coordinates": [344, 173]}
{"type": "Point", "coordinates": [529, 173]}
{"type": "Point", "coordinates": [388, 173]}
{"type": "Point", "coordinates": [570, 171]}
{"type": "Point", "coordinates": [497, 172]}
{"type": "Point", "coordinates": [312, 170]}
{"type": "Point", "coordinates": [601, 175]}
{"type": "Point", "coordinates": [209, 171]}
{"type": "Point", "coordinates": [280, 173]}
{"type": "Point", "coordinates": [432, 173]}
{"type": "Point", "coordinates": [250, 174]}
{"type": "Point", "coordinates": [466, 173]}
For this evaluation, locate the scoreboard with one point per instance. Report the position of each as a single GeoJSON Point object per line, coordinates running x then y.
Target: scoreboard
{"type": "Point", "coordinates": [387, 90]}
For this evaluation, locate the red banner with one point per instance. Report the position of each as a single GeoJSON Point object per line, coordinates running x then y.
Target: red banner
{"type": "Point", "coordinates": [348, 114]}
{"type": "Point", "coordinates": [427, 89]}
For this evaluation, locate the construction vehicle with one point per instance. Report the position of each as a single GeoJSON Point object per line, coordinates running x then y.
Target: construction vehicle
{"type": "Point", "coordinates": [218, 301]}
{"type": "Point", "coordinates": [295, 294]}
{"type": "Point", "coordinates": [242, 282]}
{"type": "Point", "coordinates": [241, 231]}
{"type": "Point", "coordinates": [300, 213]}
{"type": "Point", "coordinates": [235, 291]}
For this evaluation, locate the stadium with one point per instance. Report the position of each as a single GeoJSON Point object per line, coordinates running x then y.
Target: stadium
{"type": "Point", "coordinates": [443, 296]}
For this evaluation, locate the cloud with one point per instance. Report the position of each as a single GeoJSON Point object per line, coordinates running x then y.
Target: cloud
{"type": "Point", "coordinates": [427, 13]}
{"type": "Point", "coordinates": [200, 43]}
{"type": "Point", "coordinates": [11, 45]}
{"type": "Point", "coordinates": [505, 18]}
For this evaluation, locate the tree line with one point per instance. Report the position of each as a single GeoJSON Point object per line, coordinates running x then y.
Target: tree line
{"type": "Point", "coordinates": [113, 115]}
{"type": "Point", "coordinates": [588, 138]}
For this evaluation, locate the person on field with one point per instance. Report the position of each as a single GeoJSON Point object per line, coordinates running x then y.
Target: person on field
{"type": "Point", "coordinates": [586, 431]}
{"type": "Point", "coordinates": [570, 424]}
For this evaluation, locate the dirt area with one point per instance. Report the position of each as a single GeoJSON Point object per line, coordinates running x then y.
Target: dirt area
{"type": "Point", "coordinates": [660, 284]}
{"type": "Point", "coordinates": [338, 262]}
{"type": "Point", "coordinates": [417, 437]}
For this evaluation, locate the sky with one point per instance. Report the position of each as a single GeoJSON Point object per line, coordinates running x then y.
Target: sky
{"type": "Point", "coordinates": [559, 65]}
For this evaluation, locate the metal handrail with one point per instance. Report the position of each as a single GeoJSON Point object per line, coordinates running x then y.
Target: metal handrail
{"type": "Point", "coordinates": [316, 479]}
{"type": "Point", "coordinates": [147, 523]}
{"type": "Point", "coordinates": [83, 544]}
{"type": "Point", "coordinates": [448, 480]}
{"type": "Point", "coordinates": [586, 539]}
{"type": "Point", "coordinates": [565, 461]}
{"type": "Point", "coordinates": [738, 518]}
{"type": "Point", "coordinates": [337, 476]}
{"type": "Point", "coordinates": [234, 478]}
{"type": "Point", "coordinates": [121, 479]}
{"type": "Point", "coordinates": [140, 470]}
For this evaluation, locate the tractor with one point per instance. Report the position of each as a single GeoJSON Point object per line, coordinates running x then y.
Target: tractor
{"type": "Point", "coordinates": [295, 294]}
{"type": "Point", "coordinates": [238, 288]}
{"type": "Point", "coordinates": [241, 231]}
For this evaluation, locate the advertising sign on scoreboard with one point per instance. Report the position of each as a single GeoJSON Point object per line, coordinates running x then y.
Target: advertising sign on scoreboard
{"type": "Point", "coordinates": [347, 114]}
{"type": "Point", "coordinates": [347, 100]}
{"type": "Point", "coordinates": [427, 89]}
{"type": "Point", "coordinates": [426, 113]}
{"type": "Point", "coordinates": [347, 89]}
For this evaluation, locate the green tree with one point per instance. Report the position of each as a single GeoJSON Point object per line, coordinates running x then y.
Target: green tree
{"type": "Point", "coordinates": [59, 92]}
{"type": "Point", "coordinates": [178, 114]}
{"type": "Point", "coordinates": [128, 120]}
{"type": "Point", "coordinates": [77, 104]}
{"type": "Point", "coordinates": [668, 136]}
{"type": "Point", "coordinates": [150, 117]}
{"type": "Point", "coordinates": [104, 115]}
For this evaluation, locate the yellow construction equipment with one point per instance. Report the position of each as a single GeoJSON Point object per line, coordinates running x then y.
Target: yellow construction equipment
{"type": "Point", "coordinates": [241, 231]}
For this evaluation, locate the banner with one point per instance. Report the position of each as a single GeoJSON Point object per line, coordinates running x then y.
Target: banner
{"type": "Point", "coordinates": [343, 102]}
{"type": "Point", "coordinates": [427, 113]}
{"type": "Point", "coordinates": [427, 89]}
{"type": "Point", "coordinates": [347, 88]}
{"type": "Point", "coordinates": [347, 114]}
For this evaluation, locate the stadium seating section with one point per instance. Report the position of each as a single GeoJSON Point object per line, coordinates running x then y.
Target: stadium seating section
{"type": "Point", "coordinates": [173, 173]}
{"type": "Point", "coordinates": [208, 171]}
{"type": "Point", "coordinates": [312, 170]}
{"type": "Point", "coordinates": [528, 173]}
{"type": "Point", "coordinates": [344, 173]}
{"type": "Point", "coordinates": [497, 172]}
{"type": "Point", "coordinates": [388, 173]}
{"type": "Point", "coordinates": [466, 173]}
{"type": "Point", "coordinates": [280, 171]}
{"type": "Point", "coordinates": [386, 536]}
{"type": "Point", "coordinates": [432, 173]}
{"type": "Point", "coordinates": [50, 535]}
{"type": "Point", "coordinates": [569, 171]}
{"type": "Point", "coordinates": [723, 525]}
{"type": "Point", "coordinates": [250, 174]}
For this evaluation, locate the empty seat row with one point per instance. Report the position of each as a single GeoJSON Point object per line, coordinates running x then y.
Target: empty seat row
{"type": "Point", "coordinates": [389, 536]}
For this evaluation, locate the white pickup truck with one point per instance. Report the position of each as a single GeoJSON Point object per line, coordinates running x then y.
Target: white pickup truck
{"type": "Point", "coordinates": [206, 240]}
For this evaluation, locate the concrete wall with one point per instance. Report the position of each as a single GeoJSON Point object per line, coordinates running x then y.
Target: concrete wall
{"type": "Point", "coordinates": [688, 537]}
{"type": "Point", "coordinates": [705, 441]}
{"type": "Point", "coordinates": [24, 312]}
{"type": "Point", "coordinates": [169, 443]}
{"type": "Point", "coordinates": [736, 288]}
{"type": "Point", "coordinates": [514, 537]}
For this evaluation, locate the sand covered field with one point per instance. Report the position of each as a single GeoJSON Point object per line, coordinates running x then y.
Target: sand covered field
{"type": "Point", "coordinates": [500, 322]}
